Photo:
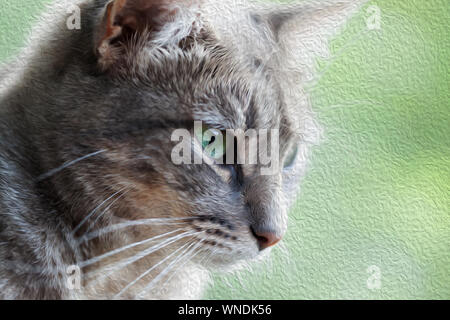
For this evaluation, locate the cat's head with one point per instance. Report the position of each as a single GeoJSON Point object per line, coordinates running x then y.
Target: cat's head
{"type": "Point", "coordinates": [167, 64]}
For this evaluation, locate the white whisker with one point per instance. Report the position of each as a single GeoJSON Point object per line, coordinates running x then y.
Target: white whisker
{"type": "Point", "coordinates": [116, 251]}
{"type": "Point", "coordinates": [166, 270]}
{"type": "Point", "coordinates": [66, 165]}
{"type": "Point", "coordinates": [123, 225]}
{"type": "Point", "coordinates": [207, 258]}
{"type": "Point", "coordinates": [94, 211]}
{"type": "Point", "coordinates": [178, 268]}
{"type": "Point", "coordinates": [106, 209]}
{"type": "Point", "coordinates": [140, 255]}
{"type": "Point", "coordinates": [151, 269]}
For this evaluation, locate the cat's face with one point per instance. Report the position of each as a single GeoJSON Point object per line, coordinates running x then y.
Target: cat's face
{"type": "Point", "coordinates": [165, 68]}
{"type": "Point", "coordinates": [233, 211]}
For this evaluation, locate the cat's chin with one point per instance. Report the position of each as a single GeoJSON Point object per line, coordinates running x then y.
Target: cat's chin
{"type": "Point", "coordinates": [235, 263]}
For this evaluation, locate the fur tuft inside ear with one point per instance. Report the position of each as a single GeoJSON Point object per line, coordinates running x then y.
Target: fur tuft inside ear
{"type": "Point", "coordinates": [160, 21]}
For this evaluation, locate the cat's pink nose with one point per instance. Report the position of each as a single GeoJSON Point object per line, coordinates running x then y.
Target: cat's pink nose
{"type": "Point", "coordinates": [266, 239]}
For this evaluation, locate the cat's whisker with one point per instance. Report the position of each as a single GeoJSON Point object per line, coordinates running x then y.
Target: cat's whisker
{"type": "Point", "coordinates": [107, 208]}
{"type": "Point", "coordinates": [166, 270]}
{"type": "Point", "coordinates": [152, 268]}
{"type": "Point", "coordinates": [66, 165]}
{"type": "Point", "coordinates": [123, 263]}
{"type": "Point", "coordinates": [249, 76]}
{"type": "Point", "coordinates": [142, 222]}
{"type": "Point", "coordinates": [94, 211]}
{"type": "Point", "coordinates": [207, 258]}
{"type": "Point", "coordinates": [186, 260]}
{"type": "Point", "coordinates": [127, 247]}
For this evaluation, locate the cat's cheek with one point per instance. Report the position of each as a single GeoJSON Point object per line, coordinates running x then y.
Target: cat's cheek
{"type": "Point", "coordinates": [157, 201]}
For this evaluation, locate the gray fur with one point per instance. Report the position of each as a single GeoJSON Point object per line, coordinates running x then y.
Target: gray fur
{"type": "Point", "coordinates": [231, 65]}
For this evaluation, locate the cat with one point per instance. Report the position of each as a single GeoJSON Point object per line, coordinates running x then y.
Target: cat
{"type": "Point", "coordinates": [92, 205]}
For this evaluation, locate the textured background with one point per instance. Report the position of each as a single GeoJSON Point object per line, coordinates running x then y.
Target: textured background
{"type": "Point", "coordinates": [378, 190]}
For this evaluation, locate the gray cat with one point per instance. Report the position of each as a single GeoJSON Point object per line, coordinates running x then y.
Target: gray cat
{"type": "Point", "coordinates": [92, 205]}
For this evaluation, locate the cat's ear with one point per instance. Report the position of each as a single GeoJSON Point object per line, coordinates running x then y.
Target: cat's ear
{"type": "Point", "coordinates": [125, 20]}
{"type": "Point", "coordinates": [303, 31]}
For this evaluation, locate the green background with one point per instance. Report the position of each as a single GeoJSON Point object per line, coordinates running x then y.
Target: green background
{"type": "Point", "coordinates": [377, 192]}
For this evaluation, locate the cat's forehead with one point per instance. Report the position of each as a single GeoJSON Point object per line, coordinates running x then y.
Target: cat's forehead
{"type": "Point", "coordinates": [208, 83]}
{"type": "Point", "coordinates": [252, 103]}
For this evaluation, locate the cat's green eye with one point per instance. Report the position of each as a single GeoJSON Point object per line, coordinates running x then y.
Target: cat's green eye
{"type": "Point", "coordinates": [212, 141]}
{"type": "Point", "coordinates": [290, 159]}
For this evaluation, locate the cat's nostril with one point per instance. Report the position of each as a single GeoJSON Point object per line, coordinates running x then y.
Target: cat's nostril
{"type": "Point", "coordinates": [266, 239]}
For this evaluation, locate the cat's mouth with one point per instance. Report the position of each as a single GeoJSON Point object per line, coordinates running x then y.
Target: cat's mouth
{"type": "Point", "coordinates": [225, 249]}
